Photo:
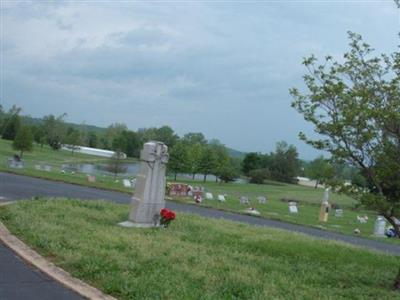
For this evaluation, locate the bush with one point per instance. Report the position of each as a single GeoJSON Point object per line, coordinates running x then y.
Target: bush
{"type": "Point", "coordinates": [259, 175]}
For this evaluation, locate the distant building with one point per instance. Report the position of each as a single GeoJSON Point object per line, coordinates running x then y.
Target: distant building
{"type": "Point", "coordinates": [91, 151]}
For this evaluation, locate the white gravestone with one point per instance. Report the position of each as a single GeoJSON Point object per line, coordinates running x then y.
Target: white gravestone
{"type": "Point", "coordinates": [380, 227]}
{"type": "Point", "coordinates": [133, 182]}
{"type": "Point", "coordinates": [339, 213]}
{"type": "Point", "coordinates": [91, 178]}
{"type": "Point", "coordinates": [252, 211]}
{"type": "Point", "coordinates": [127, 183]}
{"type": "Point", "coordinates": [221, 198]}
{"type": "Point", "coordinates": [244, 200]}
{"type": "Point", "coordinates": [262, 200]}
{"type": "Point", "coordinates": [149, 197]}
{"type": "Point", "coordinates": [293, 208]}
{"type": "Point", "coordinates": [209, 196]}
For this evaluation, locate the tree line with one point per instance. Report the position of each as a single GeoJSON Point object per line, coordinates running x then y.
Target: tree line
{"type": "Point", "coordinates": [190, 154]}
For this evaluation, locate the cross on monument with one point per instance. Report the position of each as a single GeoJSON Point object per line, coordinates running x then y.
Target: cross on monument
{"type": "Point", "coordinates": [149, 195]}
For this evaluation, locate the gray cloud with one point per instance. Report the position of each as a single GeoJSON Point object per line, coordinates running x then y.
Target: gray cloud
{"type": "Point", "coordinates": [223, 69]}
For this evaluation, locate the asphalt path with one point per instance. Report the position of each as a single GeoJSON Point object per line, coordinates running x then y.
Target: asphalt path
{"type": "Point", "coordinates": [18, 281]}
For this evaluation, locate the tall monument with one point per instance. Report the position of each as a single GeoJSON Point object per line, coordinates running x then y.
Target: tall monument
{"type": "Point", "coordinates": [149, 195]}
{"type": "Point", "coordinates": [324, 211]}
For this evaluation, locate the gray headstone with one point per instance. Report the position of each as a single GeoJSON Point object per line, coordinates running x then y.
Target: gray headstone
{"type": "Point", "coordinates": [149, 195]}
{"type": "Point", "coordinates": [262, 200]}
{"type": "Point", "coordinates": [244, 200]}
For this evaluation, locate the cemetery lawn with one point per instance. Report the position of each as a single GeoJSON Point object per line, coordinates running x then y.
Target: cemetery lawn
{"type": "Point", "coordinates": [196, 257]}
{"type": "Point", "coordinates": [55, 159]}
{"type": "Point", "coordinates": [275, 208]}
{"type": "Point", "coordinates": [309, 198]}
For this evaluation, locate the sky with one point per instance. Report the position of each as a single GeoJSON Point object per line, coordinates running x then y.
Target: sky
{"type": "Point", "coordinates": [223, 68]}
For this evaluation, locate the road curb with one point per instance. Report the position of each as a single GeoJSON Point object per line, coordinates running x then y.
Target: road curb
{"type": "Point", "coordinates": [54, 272]}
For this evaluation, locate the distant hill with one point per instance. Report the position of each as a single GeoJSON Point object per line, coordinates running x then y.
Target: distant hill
{"type": "Point", "coordinates": [37, 121]}
{"type": "Point", "coordinates": [236, 153]}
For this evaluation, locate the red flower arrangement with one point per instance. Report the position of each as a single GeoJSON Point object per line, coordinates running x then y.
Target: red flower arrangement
{"type": "Point", "coordinates": [166, 216]}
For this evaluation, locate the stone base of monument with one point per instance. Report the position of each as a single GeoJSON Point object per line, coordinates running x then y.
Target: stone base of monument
{"type": "Point", "coordinates": [129, 224]}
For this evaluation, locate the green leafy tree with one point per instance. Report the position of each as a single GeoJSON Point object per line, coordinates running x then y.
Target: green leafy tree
{"type": "Point", "coordinates": [163, 134]}
{"type": "Point", "coordinates": [11, 123]}
{"type": "Point", "coordinates": [73, 139]}
{"type": "Point", "coordinates": [221, 157]}
{"type": "Point", "coordinates": [195, 153]}
{"type": "Point", "coordinates": [208, 162]}
{"type": "Point", "coordinates": [193, 138]}
{"type": "Point", "coordinates": [252, 161]}
{"type": "Point", "coordinates": [320, 170]}
{"type": "Point", "coordinates": [23, 140]}
{"type": "Point", "coordinates": [113, 131]}
{"type": "Point", "coordinates": [355, 106]}
{"type": "Point", "coordinates": [178, 159]}
{"type": "Point", "coordinates": [285, 164]}
{"type": "Point", "coordinates": [55, 130]}
{"type": "Point", "coordinates": [2, 117]}
{"type": "Point", "coordinates": [258, 176]}
{"type": "Point", "coordinates": [229, 171]}
{"type": "Point", "coordinates": [132, 143]}
{"type": "Point", "coordinates": [92, 139]}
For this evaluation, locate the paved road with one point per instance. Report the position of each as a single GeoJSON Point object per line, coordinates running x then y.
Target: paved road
{"type": "Point", "coordinates": [18, 281]}
{"type": "Point", "coordinates": [15, 187]}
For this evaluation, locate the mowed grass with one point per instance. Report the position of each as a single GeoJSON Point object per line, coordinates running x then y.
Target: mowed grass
{"type": "Point", "coordinates": [309, 198]}
{"type": "Point", "coordinates": [308, 208]}
{"type": "Point", "coordinates": [196, 257]}
{"type": "Point", "coordinates": [46, 156]}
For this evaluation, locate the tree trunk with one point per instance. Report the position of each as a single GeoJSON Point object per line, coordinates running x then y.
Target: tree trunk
{"type": "Point", "coordinates": [216, 179]}
{"type": "Point", "coordinates": [316, 184]}
{"type": "Point", "coordinates": [175, 176]}
{"type": "Point", "coordinates": [193, 175]}
{"type": "Point", "coordinates": [397, 281]}
{"type": "Point", "coordinates": [205, 178]}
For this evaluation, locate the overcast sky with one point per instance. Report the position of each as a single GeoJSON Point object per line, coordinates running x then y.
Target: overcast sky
{"type": "Point", "coordinates": [223, 68]}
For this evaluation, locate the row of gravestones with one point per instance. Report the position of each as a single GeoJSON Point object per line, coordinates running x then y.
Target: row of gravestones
{"type": "Point", "coordinates": [125, 182]}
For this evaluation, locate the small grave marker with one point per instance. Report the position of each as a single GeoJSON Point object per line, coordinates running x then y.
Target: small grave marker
{"type": "Point", "coordinates": [91, 178]}
{"type": "Point", "coordinates": [244, 200]}
{"type": "Point", "coordinates": [221, 198]}
{"type": "Point", "coordinates": [339, 213]}
{"type": "Point", "coordinates": [380, 226]}
{"type": "Point", "coordinates": [127, 183]}
{"type": "Point", "coordinates": [293, 208]}
{"type": "Point", "coordinates": [209, 196]}
{"type": "Point", "coordinates": [252, 211]}
{"type": "Point", "coordinates": [15, 163]}
{"type": "Point", "coordinates": [133, 181]}
{"type": "Point", "coordinates": [47, 168]}
{"type": "Point", "coordinates": [262, 199]}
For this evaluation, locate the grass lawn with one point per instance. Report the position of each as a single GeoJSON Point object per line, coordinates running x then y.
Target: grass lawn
{"type": "Point", "coordinates": [309, 198]}
{"type": "Point", "coordinates": [196, 257]}
{"type": "Point", "coordinates": [56, 159]}
{"type": "Point", "coordinates": [309, 205]}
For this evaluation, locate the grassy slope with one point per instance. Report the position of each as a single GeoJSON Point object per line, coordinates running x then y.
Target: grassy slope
{"type": "Point", "coordinates": [309, 206]}
{"type": "Point", "coordinates": [275, 209]}
{"type": "Point", "coordinates": [196, 258]}
{"type": "Point", "coordinates": [47, 156]}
